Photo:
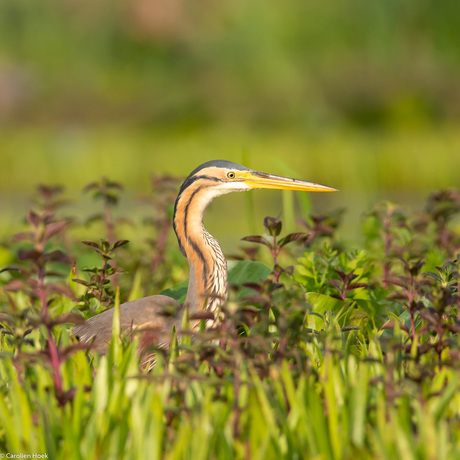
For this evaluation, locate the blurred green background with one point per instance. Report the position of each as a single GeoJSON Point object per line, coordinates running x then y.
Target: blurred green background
{"type": "Point", "coordinates": [360, 95]}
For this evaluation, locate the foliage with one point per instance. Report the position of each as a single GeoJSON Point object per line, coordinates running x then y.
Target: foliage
{"type": "Point", "coordinates": [333, 352]}
{"type": "Point", "coordinates": [259, 63]}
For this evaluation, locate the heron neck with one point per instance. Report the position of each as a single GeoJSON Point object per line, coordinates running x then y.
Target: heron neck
{"type": "Point", "coordinates": [207, 287]}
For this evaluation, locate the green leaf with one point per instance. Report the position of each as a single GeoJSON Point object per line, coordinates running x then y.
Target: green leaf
{"type": "Point", "coordinates": [177, 292]}
{"type": "Point", "coordinates": [247, 271]}
{"type": "Point", "coordinates": [322, 303]}
{"type": "Point", "coordinates": [239, 272]}
{"type": "Point", "coordinates": [435, 276]}
{"type": "Point", "coordinates": [442, 403]}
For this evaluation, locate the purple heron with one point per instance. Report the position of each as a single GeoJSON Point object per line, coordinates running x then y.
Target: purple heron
{"type": "Point", "coordinates": [155, 316]}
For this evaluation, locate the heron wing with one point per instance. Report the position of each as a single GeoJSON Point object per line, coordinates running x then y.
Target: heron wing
{"type": "Point", "coordinates": [154, 315]}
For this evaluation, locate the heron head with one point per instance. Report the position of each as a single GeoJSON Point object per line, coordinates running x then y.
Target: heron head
{"type": "Point", "coordinates": [225, 177]}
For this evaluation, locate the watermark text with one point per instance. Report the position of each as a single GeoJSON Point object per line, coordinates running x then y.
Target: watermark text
{"type": "Point", "coordinates": [22, 455]}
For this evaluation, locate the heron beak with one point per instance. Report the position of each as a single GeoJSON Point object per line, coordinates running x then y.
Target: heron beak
{"type": "Point", "coordinates": [255, 179]}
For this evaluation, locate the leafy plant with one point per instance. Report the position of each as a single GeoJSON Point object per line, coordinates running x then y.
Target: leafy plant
{"type": "Point", "coordinates": [316, 355]}
{"type": "Point", "coordinates": [99, 292]}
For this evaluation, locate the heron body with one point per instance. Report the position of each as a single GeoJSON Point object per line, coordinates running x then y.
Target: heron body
{"type": "Point", "coordinates": [155, 316]}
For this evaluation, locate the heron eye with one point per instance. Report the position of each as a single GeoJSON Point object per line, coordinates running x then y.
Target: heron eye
{"type": "Point", "coordinates": [231, 175]}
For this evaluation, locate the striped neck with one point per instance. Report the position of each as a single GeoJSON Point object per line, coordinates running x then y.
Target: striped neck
{"type": "Point", "coordinates": [207, 288]}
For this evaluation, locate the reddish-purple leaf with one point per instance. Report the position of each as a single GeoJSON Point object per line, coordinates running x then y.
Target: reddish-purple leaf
{"type": "Point", "coordinates": [335, 283]}
{"type": "Point", "coordinates": [57, 256]}
{"type": "Point", "coordinates": [68, 318]}
{"type": "Point", "coordinates": [257, 239]}
{"type": "Point", "coordinates": [15, 285]}
{"type": "Point", "coordinates": [256, 287]}
{"type": "Point", "coordinates": [397, 282]}
{"type": "Point", "coordinates": [255, 299]}
{"type": "Point", "coordinates": [29, 254]}
{"type": "Point", "coordinates": [292, 237]}
{"type": "Point", "coordinates": [324, 229]}
{"type": "Point", "coordinates": [23, 236]}
{"type": "Point", "coordinates": [396, 296]}
{"type": "Point", "coordinates": [11, 268]}
{"type": "Point", "coordinates": [115, 185]}
{"type": "Point", "coordinates": [54, 228]}
{"type": "Point", "coordinates": [342, 274]}
{"type": "Point", "coordinates": [357, 285]}
{"type": "Point", "coordinates": [33, 218]}
{"type": "Point", "coordinates": [273, 225]}
{"type": "Point", "coordinates": [90, 186]}
{"type": "Point", "coordinates": [119, 243]}
{"type": "Point", "coordinates": [453, 327]}
{"type": "Point", "coordinates": [49, 190]}
{"type": "Point", "coordinates": [119, 271]}
{"type": "Point", "coordinates": [92, 244]}
{"type": "Point", "coordinates": [55, 274]}
{"type": "Point", "coordinates": [56, 288]}
{"type": "Point", "coordinates": [318, 219]}
{"type": "Point", "coordinates": [425, 314]}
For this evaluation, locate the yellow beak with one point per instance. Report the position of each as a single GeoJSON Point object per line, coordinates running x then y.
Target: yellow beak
{"type": "Point", "coordinates": [257, 179]}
